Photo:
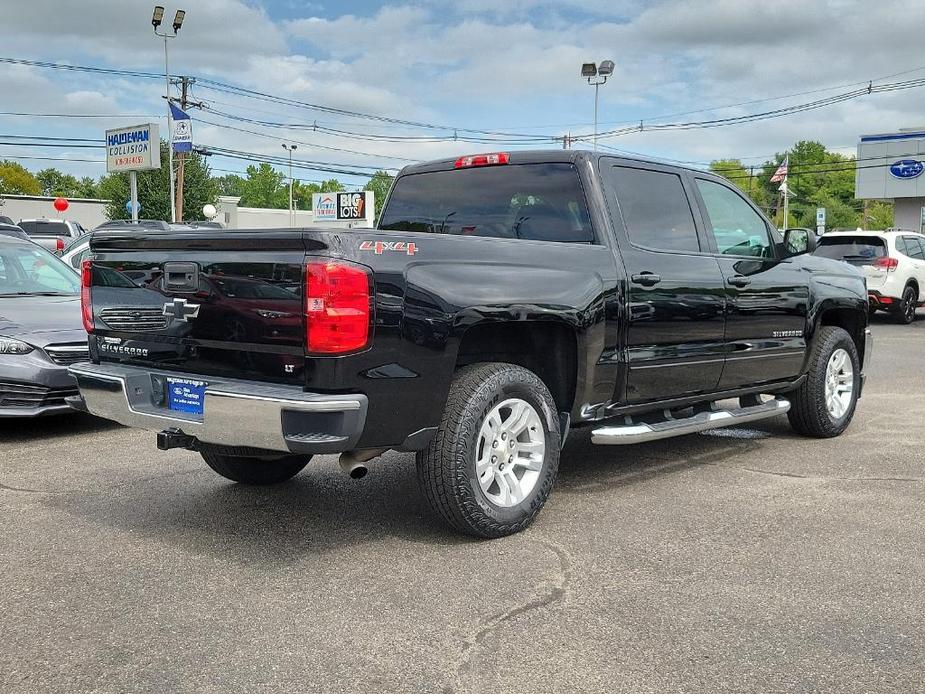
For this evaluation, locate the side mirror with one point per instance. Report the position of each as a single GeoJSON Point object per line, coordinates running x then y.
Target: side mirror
{"type": "Point", "coordinates": [799, 241]}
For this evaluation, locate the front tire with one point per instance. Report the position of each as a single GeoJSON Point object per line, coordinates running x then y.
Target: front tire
{"type": "Point", "coordinates": [823, 406]}
{"type": "Point", "coordinates": [493, 461]}
{"type": "Point", "coordinates": [905, 311]}
{"type": "Point", "coordinates": [255, 470]}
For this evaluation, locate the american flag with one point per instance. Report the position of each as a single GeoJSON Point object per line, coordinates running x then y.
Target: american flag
{"type": "Point", "coordinates": [781, 173]}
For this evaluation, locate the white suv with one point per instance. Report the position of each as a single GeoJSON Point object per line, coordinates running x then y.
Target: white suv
{"type": "Point", "coordinates": [893, 263]}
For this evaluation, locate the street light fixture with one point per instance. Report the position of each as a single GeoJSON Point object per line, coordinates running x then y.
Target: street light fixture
{"type": "Point", "coordinates": [590, 71]}
{"type": "Point", "coordinates": [156, 20]}
{"type": "Point", "coordinates": [290, 149]}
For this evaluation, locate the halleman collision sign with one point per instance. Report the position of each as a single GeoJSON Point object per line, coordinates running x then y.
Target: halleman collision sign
{"type": "Point", "coordinates": [136, 148]}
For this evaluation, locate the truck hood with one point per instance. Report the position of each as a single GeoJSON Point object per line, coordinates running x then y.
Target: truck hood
{"type": "Point", "coordinates": [42, 320]}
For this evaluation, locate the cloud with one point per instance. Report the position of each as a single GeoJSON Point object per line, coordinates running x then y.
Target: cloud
{"type": "Point", "coordinates": [485, 64]}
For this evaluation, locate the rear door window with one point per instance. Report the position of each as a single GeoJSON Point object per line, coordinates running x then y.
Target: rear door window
{"type": "Point", "coordinates": [856, 250]}
{"type": "Point", "coordinates": [914, 247]}
{"type": "Point", "coordinates": [655, 210]}
{"type": "Point", "coordinates": [537, 202]}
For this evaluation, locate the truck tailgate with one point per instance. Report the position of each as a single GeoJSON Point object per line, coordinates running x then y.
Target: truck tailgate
{"type": "Point", "coordinates": [225, 303]}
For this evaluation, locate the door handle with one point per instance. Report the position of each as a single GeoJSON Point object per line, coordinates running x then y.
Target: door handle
{"type": "Point", "coordinates": [646, 279]}
{"type": "Point", "coordinates": [739, 281]}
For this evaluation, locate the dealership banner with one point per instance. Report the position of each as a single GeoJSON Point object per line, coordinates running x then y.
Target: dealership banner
{"type": "Point", "coordinates": [182, 130]}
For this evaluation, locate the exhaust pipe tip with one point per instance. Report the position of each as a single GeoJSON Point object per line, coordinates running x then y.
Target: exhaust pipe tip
{"type": "Point", "coordinates": [353, 463]}
{"type": "Point", "coordinates": [358, 472]}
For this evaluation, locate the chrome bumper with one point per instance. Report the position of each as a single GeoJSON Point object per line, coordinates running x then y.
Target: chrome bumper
{"type": "Point", "coordinates": [235, 413]}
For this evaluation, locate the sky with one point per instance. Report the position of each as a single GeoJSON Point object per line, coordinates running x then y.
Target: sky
{"type": "Point", "coordinates": [496, 65]}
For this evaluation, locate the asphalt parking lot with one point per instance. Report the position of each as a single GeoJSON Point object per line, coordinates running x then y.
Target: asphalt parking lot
{"type": "Point", "coordinates": [743, 560]}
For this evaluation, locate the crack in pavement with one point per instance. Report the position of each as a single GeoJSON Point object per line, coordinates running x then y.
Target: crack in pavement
{"type": "Point", "coordinates": [97, 489]}
{"type": "Point", "coordinates": [7, 488]}
{"type": "Point", "coordinates": [557, 592]}
{"type": "Point", "coordinates": [819, 477]}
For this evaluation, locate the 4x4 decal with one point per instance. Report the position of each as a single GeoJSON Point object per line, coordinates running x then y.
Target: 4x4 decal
{"type": "Point", "coordinates": [380, 247]}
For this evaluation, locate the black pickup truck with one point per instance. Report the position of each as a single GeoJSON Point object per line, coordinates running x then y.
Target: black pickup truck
{"type": "Point", "coordinates": [502, 300]}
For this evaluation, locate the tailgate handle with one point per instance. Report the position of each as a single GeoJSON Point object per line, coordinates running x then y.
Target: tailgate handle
{"type": "Point", "coordinates": [181, 277]}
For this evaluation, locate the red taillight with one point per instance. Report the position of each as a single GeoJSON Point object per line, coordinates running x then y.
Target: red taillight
{"type": "Point", "coordinates": [59, 244]}
{"type": "Point", "coordinates": [888, 264]}
{"type": "Point", "coordinates": [86, 307]}
{"type": "Point", "coordinates": [493, 159]}
{"type": "Point", "coordinates": [337, 311]}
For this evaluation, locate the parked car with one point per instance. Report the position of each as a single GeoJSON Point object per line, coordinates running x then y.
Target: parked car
{"type": "Point", "coordinates": [14, 231]}
{"type": "Point", "coordinates": [75, 253]}
{"type": "Point", "coordinates": [6, 220]}
{"type": "Point", "coordinates": [53, 234]}
{"type": "Point", "coordinates": [40, 330]}
{"type": "Point", "coordinates": [141, 223]}
{"type": "Point", "coordinates": [504, 299]}
{"type": "Point", "coordinates": [893, 262]}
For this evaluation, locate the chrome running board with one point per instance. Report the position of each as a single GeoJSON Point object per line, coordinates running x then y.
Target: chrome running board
{"type": "Point", "coordinates": [711, 417]}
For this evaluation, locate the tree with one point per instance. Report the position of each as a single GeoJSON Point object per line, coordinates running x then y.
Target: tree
{"type": "Point", "coordinates": [87, 188]}
{"type": "Point", "coordinates": [302, 192]}
{"type": "Point", "coordinates": [154, 190]}
{"type": "Point", "coordinates": [16, 180]}
{"type": "Point", "coordinates": [230, 184]}
{"type": "Point", "coordinates": [879, 215]}
{"type": "Point", "coordinates": [381, 183]}
{"type": "Point", "coordinates": [263, 187]}
{"type": "Point", "coordinates": [55, 183]}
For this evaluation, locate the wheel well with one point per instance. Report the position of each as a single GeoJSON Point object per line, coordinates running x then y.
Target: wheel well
{"type": "Point", "coordinates": [851, 321]}
{"type": "Point", "coordinates": [548, 349]}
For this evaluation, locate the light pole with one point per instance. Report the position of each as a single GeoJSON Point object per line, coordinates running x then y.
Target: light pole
{"type": "Point", "coordinates": [156, 20]}
{"type": "Point", "coordinates": [591, 71]}
{"type": "Point", "coordinates": [290, 149]}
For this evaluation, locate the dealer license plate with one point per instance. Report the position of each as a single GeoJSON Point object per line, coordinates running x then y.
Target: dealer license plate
{"type": "Point", "coordinates": [185, 396]}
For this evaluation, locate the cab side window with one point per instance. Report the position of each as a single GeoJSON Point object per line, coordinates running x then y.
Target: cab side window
{"type": "Point", "coordinates": [737, 228]}
{"type": "Point", "coordinates": [655, 210]}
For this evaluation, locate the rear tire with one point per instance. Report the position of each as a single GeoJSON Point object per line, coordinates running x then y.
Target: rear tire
{"type": "Point", "coordinates": [493, 461]}
{"type": "Point", "coordinates": [253, 469]}
{"type": "Point", "coordinates": [824, 405]}
{"type": "Point", "coordinates": [905, 310]}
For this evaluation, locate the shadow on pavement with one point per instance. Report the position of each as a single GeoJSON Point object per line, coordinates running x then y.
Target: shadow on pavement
{"type": "Point", "coordinates": [18, 430]}
{"type": "Point", "coordinates": [322, 510]}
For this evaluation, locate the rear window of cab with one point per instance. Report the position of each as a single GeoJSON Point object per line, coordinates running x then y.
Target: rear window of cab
{"type": "Point", "coordinates": [538, 202]}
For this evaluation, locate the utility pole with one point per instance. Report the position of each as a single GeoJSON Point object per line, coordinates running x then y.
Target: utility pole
{"type": "Point", "coordinates": [185, 83]}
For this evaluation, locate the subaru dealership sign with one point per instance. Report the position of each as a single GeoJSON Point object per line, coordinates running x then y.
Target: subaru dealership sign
{"type": "Point", "coordinates": [890, 167]}
{"type": "Point", "coordinates": [907, 168]}
{"type": "Point", "coordinates": [135, 148]}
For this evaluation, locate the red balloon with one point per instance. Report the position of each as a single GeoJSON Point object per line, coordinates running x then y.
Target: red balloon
{"type": "Point", "coordinates": [61, 204]}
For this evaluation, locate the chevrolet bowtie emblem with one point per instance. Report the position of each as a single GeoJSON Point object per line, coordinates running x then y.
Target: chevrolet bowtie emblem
{"type": "Point", "coordinates": [181, 311]}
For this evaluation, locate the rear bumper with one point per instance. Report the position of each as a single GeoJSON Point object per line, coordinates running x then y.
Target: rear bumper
{"type": "Point", "coordinates": [879, 300]}
{"type": "Point", "coordinates": [235, 413]}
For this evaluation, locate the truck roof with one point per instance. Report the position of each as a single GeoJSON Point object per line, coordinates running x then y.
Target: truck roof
{"type": "Point", "coordinates": [542, 156]}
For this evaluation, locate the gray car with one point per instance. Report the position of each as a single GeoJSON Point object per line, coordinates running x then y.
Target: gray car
{"type": "Point", "coordinates": [41, 331]}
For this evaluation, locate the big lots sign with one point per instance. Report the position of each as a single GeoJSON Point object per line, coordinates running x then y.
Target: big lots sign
{"type": "Point", "coordinates": [135, 148]}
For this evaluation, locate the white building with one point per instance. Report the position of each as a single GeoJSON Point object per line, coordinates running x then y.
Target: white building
{"type": "Point", "coordinates": [88, 212]}
{"type": "Point", "coordinates": [890, 167]}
